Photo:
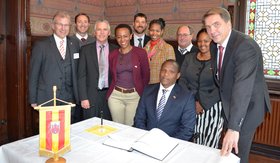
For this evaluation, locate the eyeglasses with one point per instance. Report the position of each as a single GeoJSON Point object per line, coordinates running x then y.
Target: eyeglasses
{"type": "Point", "coordinates": [62, 25]}
{"type": "Point", "coordinates": [183, 35]}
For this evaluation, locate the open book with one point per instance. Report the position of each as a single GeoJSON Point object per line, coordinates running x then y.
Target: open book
{"type": "Point", "coordinates": [155, 143]}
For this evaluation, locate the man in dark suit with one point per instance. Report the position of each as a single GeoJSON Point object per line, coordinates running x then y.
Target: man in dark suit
{"type": "Point", "coordinates": [185, 46]}
{"type": "Point", "coordinates": [53, 63]}
{"type": "Point", "coordinates": [93, 98]}
{"type": "Point", "coordinates": [166, 105]}
{"type": "Point", "coordinates": [139, 38]}
{"type": "Point", "coordinates": [82, 23]}
{"type": "Point", "coordinates": [239, 67]}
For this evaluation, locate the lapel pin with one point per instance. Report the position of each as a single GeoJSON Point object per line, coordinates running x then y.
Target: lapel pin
{"type": "Point", "coordinates": [174, 97]}
{"type": "Point", "coordinates": [135, 66]}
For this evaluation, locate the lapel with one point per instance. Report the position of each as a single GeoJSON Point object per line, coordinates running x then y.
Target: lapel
{"type": "Point", "coordinates": [132, 40]}
{"type": "Point", "coordinates": [146, 40]}
{"type": "Point", "coordinates": [70, 51]}
{"type": "Point", "coordinates": [170, 102]}
{"type": "Point", "coordinates": [214, 53]}
{"type": "Point", "coordinates": [55, 52]}
{"type": "Point", "coordinates": [227, 54]}
{"type": "Point", "coordinates": [154, 100]}
{"type": "Point", "coordinates": [93, 56]}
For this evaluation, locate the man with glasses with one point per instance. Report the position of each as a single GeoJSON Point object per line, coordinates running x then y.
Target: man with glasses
{"type": "Point", "coordinates": [53, 63]}
{"type": "Point", "coordinates": [185, 46]}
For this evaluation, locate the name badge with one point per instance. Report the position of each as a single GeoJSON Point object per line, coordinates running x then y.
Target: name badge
{"type": "Point", "coordinates": [76, 55]}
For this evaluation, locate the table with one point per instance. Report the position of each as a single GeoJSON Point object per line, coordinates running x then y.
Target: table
{"type": "Point", "coordinates": [88, 148]}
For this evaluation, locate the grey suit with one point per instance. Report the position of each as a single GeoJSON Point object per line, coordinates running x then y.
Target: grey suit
{"type": "Point", "coordinates": [243, 89]}
{"type": "Point", "coordinates": [47, 68]}
{"type": "Point", "coordinates": [88, 75]}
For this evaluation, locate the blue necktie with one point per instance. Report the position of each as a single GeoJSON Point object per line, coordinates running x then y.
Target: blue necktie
{"type": "Point", "coordinates": [161, 104]}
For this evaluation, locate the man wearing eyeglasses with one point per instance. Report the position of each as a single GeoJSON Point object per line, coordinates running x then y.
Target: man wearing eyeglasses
{"type": "Point", "coordinates": [185, 46]}
{"type": "Point", "coordinates": [53, 63]}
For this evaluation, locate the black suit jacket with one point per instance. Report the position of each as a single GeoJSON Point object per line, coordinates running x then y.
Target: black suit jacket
{"type": "Point", "coordinates": [45, 70]}
{"type": "Point", "coordinates": [178, 116]}
{"type": "Point", "coordinates": [88, 73]}
{"type": "Point", "coordinates": [243, 89]}
{"type": "Point", "coordinates": [180, 58]}
{"type": "Point", "coordinates": [146, 40]}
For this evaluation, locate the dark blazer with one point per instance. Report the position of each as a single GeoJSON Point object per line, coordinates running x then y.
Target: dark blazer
{"type": "Point", "coordinates": [178, 116]}
{"type": "Point", "coordinates": [89, 40]}
{"type": "Point", "coordinates": [180, 58]}
{"type": "Point", "coordinates": [141, 69]}
{"type": "Point", "coordinates": [242, 84]}
{"type": "Point", "coordinates": [146, 40]}
{"type": "Point", "coordinates": [197, 77]}
{"type": "Point", "coordinates": [45, 70]}
{"type": "Point", "coordinates": [88, 72]}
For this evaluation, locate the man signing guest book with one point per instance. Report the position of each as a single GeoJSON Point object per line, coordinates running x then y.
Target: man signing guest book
{"type": "Point", "coordinates": [166, 105]}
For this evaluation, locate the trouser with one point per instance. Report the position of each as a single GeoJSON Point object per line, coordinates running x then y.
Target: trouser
{"type": "Point", "coordinates": [123, 106]}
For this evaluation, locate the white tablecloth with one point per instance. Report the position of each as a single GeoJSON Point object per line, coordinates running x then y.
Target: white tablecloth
{"type": "Point", "coordinates": [88, 148]}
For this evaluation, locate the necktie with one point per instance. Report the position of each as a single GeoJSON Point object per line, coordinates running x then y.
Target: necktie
{"type": "Point", "coordinates": [140, 43]}
{"type": "Point", "coordinates": [102, 66]}
{"type": "Point", "coordinates": [221, 49]}
{"type": "Point", "coordinates": [161, 104]}
{"type": "Point", "coordinates": [182, 51]}
{"type": "Point", "coordinates": [83, 40]}
{"type": "Point", "coordinates": [61, 49]}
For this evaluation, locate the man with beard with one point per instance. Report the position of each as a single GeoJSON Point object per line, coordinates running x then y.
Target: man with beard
{"type": "Point", "coordinates": [139, 37]}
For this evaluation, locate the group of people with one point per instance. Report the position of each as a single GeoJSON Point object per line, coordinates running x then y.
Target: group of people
{"type": "Point", "coordinates": [190, 92]}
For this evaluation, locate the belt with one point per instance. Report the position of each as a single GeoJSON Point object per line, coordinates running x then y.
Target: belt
{"type": "Point", "coordinates": [125, 90]}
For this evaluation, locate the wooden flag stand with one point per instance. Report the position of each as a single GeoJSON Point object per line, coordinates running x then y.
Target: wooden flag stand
{"type": "Point", "coordinates": [55, 151]}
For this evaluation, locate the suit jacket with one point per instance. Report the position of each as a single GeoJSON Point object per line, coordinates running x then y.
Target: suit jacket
{"type": "Point", "coordinates": [88, 72]}
{"type": "Point", "coordinates": [141, 70]}
{"type": "Point", "coordinates": [89, 40]}
{"type": "Point", "coordinates": [146, 40]}
{"type": "Point", "coordinates": [178, 116]}
{"type": "Point", "coordinates": [242, 84]}
{"type": "Point", "coordinates": [45, 70]}
{"type": "Point", "coordinates": [180, 58]}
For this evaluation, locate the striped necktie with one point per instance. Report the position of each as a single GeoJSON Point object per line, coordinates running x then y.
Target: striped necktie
{"type": "Point", "coordinates": [62, 49]}
{"type": "Point", "coordinates": [161, 104]}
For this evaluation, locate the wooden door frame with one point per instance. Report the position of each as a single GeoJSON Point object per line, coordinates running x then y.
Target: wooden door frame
{"type": "Point", "coordinates": [16, 107]}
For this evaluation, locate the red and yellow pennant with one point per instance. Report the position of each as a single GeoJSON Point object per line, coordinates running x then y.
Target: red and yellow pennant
{"type": "Point", "coordinates": [54, 130]}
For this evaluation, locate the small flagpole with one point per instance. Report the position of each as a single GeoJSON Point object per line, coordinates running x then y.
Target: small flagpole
{"type": "Point", "coordinates": [54, 96]}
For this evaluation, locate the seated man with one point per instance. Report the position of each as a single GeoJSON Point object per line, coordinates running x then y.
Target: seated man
{"type": "Point", "coordinates": [166, 105]}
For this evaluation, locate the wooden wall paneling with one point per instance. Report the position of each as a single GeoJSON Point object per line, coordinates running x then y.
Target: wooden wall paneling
{"type": "Point", "coordinates": [268, 132]}
{"type": "Point", "coordinates": [15, 69]}
{"type": "Point", "coordinates": [3, 104]}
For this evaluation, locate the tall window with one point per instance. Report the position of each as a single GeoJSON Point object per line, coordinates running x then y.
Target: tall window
{"type": "Point", "coordinates": [263, 24]}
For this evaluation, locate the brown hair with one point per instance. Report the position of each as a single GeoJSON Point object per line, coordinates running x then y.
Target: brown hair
{"type": "Point", "coordinates": [217, 11]}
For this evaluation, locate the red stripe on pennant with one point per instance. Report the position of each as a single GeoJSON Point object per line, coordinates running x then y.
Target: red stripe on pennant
{"type": "Point", "coordinates": [48, 130]}
{"type": "Point", "coordinates": [62, 129]}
